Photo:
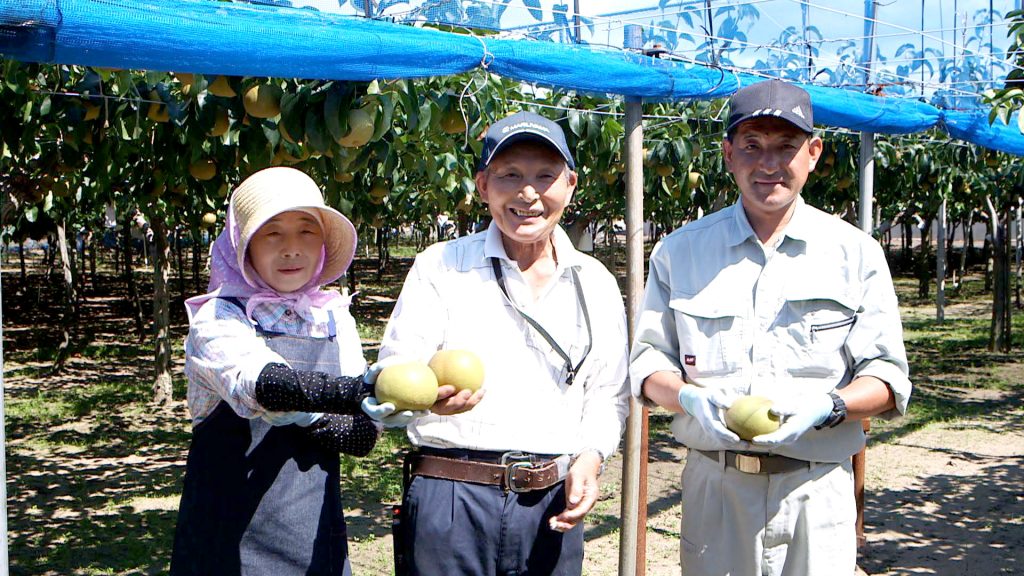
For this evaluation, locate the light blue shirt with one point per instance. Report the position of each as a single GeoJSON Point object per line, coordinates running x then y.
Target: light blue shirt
{"type": "Point", "coordinates": [807, 316]}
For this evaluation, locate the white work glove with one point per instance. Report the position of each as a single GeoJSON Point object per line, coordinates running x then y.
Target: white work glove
{"type": "Point", "coordinates": [388, 415]}
{"type": "Point", "coordinates": [385, 412]}
{"type": "Point", "coordinates": [706, 405]}
{"type": "Point", "coordinates": [799, 414]}
{"type": "Point", "coordinates": [370, 377]}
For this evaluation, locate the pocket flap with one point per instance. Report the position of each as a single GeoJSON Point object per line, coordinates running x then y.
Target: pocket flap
{"type": "Point", "coordinates": [801, 291]}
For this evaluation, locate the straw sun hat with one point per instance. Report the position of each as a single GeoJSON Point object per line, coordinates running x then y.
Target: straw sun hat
{"type": "Point", "coordinates": [272, 191]}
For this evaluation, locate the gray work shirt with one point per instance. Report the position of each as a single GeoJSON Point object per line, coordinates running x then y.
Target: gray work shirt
{"type": "Point", "coordinates": [810, 315]}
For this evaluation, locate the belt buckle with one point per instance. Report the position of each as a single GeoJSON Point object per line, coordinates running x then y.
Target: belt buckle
{"type": "Point", "coordinates": [515, 457]}
{"type": "Point", "coordinates": [748, 464]}
{"type": "Point", "coordinates": [510, 471]}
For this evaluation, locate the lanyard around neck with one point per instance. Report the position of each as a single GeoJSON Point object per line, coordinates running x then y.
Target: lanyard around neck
{"type": "Point", "coordinates": [582, 302]}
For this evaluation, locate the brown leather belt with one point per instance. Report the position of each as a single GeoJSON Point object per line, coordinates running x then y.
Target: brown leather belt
{"type": "Point", "coordinates": [516, 474]}
{"type": "Point", "coordinates": [754, 463]}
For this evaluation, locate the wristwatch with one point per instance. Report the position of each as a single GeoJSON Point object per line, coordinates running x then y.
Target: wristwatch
{"type": "Point", "coordinates": [838, 414]}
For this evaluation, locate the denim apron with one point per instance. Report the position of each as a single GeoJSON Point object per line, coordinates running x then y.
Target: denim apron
{"type": "Point", "coordinates": [261, 500]}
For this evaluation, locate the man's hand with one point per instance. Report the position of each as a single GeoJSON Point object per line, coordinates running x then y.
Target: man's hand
{"type": "Point", "coordinates": [388, 415]}
{"type": "Point", "coordinates": [706, 405]}
{"type": "Point", "coordinates": [800, 413]}
{"type": "Point", "coordinates": [451, 401]}
{"type": "Point", "coordinates": [581, 490]}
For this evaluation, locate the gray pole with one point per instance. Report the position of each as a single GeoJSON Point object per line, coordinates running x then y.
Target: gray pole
{"type": "Point", "coordinates": [633, 454]}
{"type": "Point", "coordinates": [940, 259]}
{"type": "Point", "coordinates": [867, 139]}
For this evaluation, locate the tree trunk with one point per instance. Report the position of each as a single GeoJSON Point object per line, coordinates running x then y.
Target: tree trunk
{"type": "Point", "coordinates": [906, 251]}
{"type": "Point", "coordinates": [69, 321]}
{"type": "Point", "coordinates": [93, 242]}
{"type": "Point", "coordinates": [940, 265]}
{"type": "Point", "coordinates": [197, 261]}
{"type": "Point", "coordinates": [923, 259]}
{"type": "Point", "coordinates": [1018, 253]}
{"type": "Point", "coordinates": [383, 252]}
{"type": "Point", "coordinates": [21, 262]}
{"type": "Point", "coordinates": [962, 267]}
{"type": "Point", "coordinates": [128, 275]}
{"type": "Point", "coordinates": [162, 385]}
{"type": "Point", "coordinates": [179, 253]}
{"type": "Point", "coordinates": [999, 335]}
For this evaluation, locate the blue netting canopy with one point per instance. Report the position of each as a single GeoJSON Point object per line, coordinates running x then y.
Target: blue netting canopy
{"type": "Point", "coordinates": [930, 60]}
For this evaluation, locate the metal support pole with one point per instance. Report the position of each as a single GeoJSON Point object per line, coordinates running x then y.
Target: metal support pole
{"type": "Point", "coordinates": [632, 538]}
{"type": "Point", "coordinates": [633, 456]}
{"type": "Point", "coordinates": [867, 181]}
{"type": "Point", "coordinates": [940, 262]}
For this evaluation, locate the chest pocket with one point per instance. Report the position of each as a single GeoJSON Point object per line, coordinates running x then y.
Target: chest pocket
{"type": "Point", "coordinates": [816, 321]}
{"type": "Point", "coordinates": [709, 326]}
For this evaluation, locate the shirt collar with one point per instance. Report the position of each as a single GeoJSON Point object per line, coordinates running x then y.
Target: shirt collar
{"type": "Point", "coordinates": [568, 256]}
{"type": "Point", "coordinates": [797, 228]}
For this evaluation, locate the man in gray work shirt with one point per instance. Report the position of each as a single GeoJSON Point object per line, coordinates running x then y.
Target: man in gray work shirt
{"type": "Point", "coordinates": [775, 298]}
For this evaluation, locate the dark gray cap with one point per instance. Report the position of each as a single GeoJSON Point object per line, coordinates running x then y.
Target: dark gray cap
{"type": "Point", "coordinates": [772, 98]}
{"type": "Point", "coordinates": [524, 126]}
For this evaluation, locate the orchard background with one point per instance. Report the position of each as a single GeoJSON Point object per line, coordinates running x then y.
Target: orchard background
{"type": "Point", "coordinates": [93, 316]}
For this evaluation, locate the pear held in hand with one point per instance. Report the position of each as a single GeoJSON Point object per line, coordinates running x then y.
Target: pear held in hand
{"type": "Point", "coordinates": [459, 368]}
{"type": "Point", "coordinates": [749, 416]}
{"type": "Point", "coordinates": [409, 386]}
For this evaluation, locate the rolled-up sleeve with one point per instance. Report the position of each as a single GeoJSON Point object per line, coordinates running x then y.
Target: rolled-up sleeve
{"type": "Point", "coordinates": [655, 344]}
{"type": "Point", "coordinates": [875, 342]}
{"type": "Point", "coordinates": [223, 358]}
{"type": "Point", "coordinates": [606, 400]}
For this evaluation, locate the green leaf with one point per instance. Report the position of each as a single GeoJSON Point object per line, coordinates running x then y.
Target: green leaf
{"type": "Point", "coordinates": [293, 113]}
{"type": "Point", "coordinates": [383, 123]}
{"type": "Point", "coordinates": [315, 133]}
{"type": "Point", "coordinates": [44, 108]}
{"type": "Point", "coordinates": [334, 105]}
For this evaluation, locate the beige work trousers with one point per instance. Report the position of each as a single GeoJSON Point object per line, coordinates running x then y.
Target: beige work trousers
{"type": "Point", "coordinates": [800, 523]}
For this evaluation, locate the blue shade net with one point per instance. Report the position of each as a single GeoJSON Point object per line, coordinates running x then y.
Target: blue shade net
{"type": "Point", "coordinates": [239, 39]}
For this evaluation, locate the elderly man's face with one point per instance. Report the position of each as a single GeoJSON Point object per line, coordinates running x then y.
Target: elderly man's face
{"type": "Point", "coordinates": [526, 188]}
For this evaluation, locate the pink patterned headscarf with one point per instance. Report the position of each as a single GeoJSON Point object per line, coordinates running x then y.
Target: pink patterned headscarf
{"type": "Point", "coordinates": [227, 280]}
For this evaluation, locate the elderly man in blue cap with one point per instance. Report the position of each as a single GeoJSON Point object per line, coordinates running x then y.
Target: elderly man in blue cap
{"type": "Point", "coordinates": [503, 488]}
{"type": "Point", "coordinates": [774, 298]}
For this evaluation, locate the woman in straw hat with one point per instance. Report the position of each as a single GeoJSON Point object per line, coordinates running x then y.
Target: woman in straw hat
{"type": "Point", "coordinates": [275, 372]}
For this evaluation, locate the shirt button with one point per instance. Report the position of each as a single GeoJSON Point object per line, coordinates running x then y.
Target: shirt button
{"type": "Point", "coordinates": [287, 312]}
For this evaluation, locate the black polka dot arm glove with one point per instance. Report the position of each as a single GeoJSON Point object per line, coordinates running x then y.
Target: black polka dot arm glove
{"type": "Point", "coordinates": [280, 388]}
{"type": "Point", "coordinates": [354, 434]}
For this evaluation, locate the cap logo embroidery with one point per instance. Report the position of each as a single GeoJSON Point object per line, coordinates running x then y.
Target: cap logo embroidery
{"type": "Point", "coordinates": [525, 126]}
{"type": "Point", "coordinates": [766, 112]}
{"type": "Point", "coordinates": [798, 111]}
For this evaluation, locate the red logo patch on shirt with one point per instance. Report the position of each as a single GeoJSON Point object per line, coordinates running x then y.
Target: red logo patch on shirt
{"type": "Point", "coordinates": [690, 360]}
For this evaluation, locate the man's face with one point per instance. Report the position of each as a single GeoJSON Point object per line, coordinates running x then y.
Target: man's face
{"type": "Point", "coordinates": [526, 188]}
{"type": "Point", "coordinates": [770, 160]}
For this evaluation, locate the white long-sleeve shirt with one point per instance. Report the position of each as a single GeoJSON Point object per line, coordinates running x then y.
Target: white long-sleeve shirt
{"type": "Point", "coordinates": [807, 316]}
{"type": "Point", "coordinates": [451, 300]}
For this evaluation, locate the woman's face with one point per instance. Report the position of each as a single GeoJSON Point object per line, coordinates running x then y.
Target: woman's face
{"type": "Point", "coordinates": [285, 251]}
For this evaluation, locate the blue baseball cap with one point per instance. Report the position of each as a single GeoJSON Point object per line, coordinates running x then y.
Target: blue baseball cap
{"type": "Point", "coordinates": [524, 126]}
{"type": "Point", "coordinates": [772, 98]}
